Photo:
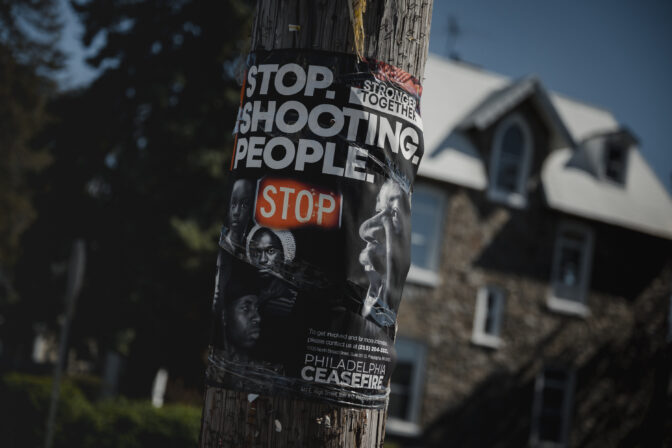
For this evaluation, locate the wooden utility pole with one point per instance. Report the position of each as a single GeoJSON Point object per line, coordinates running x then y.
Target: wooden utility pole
{"type": "Point", "coordinates": [395, 32]}
{"type": "Point", "coordinates": [75, 279]}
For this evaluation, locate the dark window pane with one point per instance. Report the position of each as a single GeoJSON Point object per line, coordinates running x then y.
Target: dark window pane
{"type": "Point", "coordinates": [570, 266]}
{"type": "Point", "coordinates": [510, 159]}
{"type": "Point", "coordinates": [398, 406]}
{"type": "Point", "coordinates": [513, 141]}
{"type": "Point", "coordinates": [507, 177]}
{"type": "Point", "coordinates": [550, 428]}
{"type": "Point", "coordinates": [402, 374]}
{"type": "Point", "coordinates": [422, 200]}
{"type": "Point", "coordinates": [553, 399]}
{"type": "Point", "coordinates": [491, 316]}
{"type": "Point", "coordinates": [569, 274]}
{"type": "Point", "coordinates": [424, 227]}
{"type": "Point", "coordinates": [615, 163]}
{"type": "Point", "coordinates": [555, 376]}
{"type": "Point", "coordinates": [574, 237]}
{"type": "Point", "coordinates": [400, 389]}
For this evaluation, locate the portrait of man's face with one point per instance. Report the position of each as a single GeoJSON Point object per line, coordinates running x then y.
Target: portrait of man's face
{"type": "Point", "coordinates": [266, 252]}
{"type": "Point", "coordinates": [386, 256]}
{"type": "Point", "coordinates": [242, 322]}
{"type": "Point", "coordinates": [240, 206]}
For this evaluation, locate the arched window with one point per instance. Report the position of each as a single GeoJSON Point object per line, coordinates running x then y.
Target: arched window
{"type": "Point", "coordinates": [510, 161]}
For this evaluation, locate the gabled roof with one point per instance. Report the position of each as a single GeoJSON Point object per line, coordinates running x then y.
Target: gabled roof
{"type": "Point", "coordinates": [502, 101]}
{"type": "Point", "coordinates": [458, 97]}
{"type": "Point", "coordinates": [640, 203]}
{"type": "Point", "coordinates": [458, 153]}
{"type": "Point", "coordinates": [452, 90]}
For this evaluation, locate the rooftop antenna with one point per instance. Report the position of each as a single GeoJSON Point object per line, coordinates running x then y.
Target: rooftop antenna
{"type": "Point", "coordinates": [454, 31]}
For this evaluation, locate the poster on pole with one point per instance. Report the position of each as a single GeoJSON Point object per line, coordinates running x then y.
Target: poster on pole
{"type": "Point", "coordinates": [315, 244]}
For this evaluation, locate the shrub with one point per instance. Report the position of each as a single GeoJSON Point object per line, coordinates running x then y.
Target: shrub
{"type": "Point", "coordinates": [118, 423]}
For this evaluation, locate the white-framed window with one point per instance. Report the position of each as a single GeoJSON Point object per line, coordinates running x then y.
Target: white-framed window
{"type": "Point", "coordinates": [488, 317]}
{"type": "Point", "coordinates": [570, 275]}
{"type": "Point", "coordinates": [406, 387]}
{"type": "Point", "coordinates": [427, 207]}
{"type": "Point", "coordinates": [552, 408]}
{"type": "Point", "coordinates": [510, 161]}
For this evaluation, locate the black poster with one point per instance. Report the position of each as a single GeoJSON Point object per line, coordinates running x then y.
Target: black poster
{"type": "Point", "coordinates": [315, 246]}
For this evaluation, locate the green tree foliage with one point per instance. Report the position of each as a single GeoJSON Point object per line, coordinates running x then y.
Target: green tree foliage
{"type": "Point", "coordinates": [28, 53]}
{"type": "Point", "coordinates": [140, 163]}
{"type": "Point", "coordinates": [82, 423]}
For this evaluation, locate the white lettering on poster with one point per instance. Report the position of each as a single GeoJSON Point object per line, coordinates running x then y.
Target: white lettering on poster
{"type": "Point", "coordinates": [396, 131]}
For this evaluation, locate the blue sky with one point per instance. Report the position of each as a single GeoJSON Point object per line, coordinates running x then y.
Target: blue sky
{"type": "Point", "coordinates": [76, 73]}
{"type": "Point", "coordinates": [614, 54]}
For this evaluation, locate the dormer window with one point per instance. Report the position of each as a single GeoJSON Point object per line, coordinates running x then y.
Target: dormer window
{"type": "Point", "coordinates": [510, 161]}
{"type": "Point", "coordinates": [615, 162]}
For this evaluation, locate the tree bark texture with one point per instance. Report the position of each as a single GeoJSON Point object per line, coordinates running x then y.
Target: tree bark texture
{"type": "Point", "coordinates": [396, 32]}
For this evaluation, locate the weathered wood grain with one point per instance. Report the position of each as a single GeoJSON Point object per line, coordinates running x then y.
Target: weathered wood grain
{"type": "Point", "coordinates": [396, 31]}
{"type": "Point", "coordinates": [231, 420]}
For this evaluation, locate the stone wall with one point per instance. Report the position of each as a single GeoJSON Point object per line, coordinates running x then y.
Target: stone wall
{"type": "Point", "coordinates": [477, 396]}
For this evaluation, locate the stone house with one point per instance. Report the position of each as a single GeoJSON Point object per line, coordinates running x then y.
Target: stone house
{"type": "Point", "coordinates": [536, 310]}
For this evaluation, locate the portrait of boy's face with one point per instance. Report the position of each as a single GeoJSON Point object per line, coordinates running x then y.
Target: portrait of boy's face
{"type": "Point", "coordinates": [386, 256]}
{"type": "Point", "coordinates": [266, 252]}
{"type": "Point", "coordinates": [240, 207]}
{"type": "Point", "coordinates": [242, 322]}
